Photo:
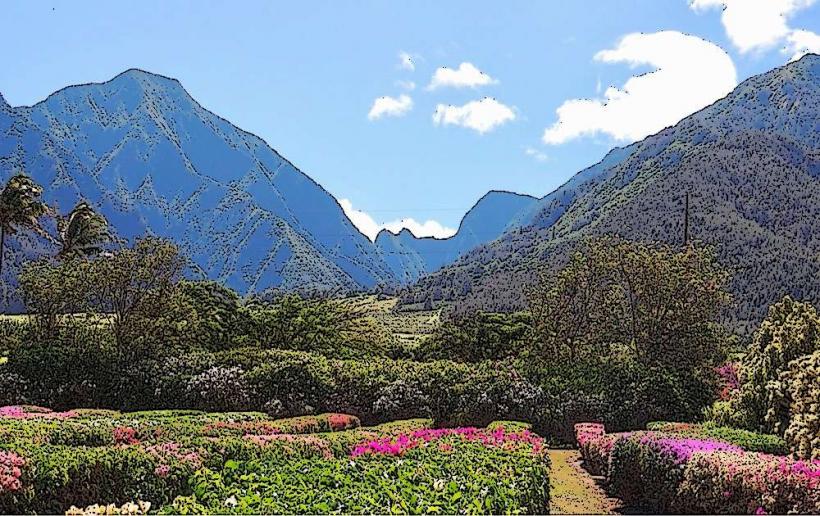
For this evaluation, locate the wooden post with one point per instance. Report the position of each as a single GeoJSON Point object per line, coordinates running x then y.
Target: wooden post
{"type": "Point", "coordinates": [686, 221]}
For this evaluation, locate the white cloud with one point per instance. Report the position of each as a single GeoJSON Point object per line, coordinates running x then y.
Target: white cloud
{"type": "Point", "coordinates": [406, 61]}
{"type": "Point", "coordinates": [761, 24]}
{"type": "Point", "coordinates": [429, 228]}
{"type": "Point", "coordinates": [390, 106]}
{"type": "Point", "coordinates": [802, 42]}
{"type": "Point", "coordinates": [689, 74]}
{"type": "Point", "coordinates": [536, 154]}
{"type": "Point", "coordinates": [370, 228]}
{"type": "Point", "coordinates": [406, 85]}
{"type": "Point", "coordinates": [465, 76]}
{"type": "Point", "coordinates": [480, 115]}
{"type": "Point", "coordinates": [363, 222]}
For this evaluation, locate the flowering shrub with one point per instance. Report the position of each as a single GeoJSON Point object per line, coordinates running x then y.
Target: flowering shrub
{"type": "Point", "coordinates": [664, 471]}
{"type": "Point", "coordinates": [125, 435]}
{"type": "Point", "coordinates": [33, 412]}
{"type": "Point", "coordinates": [294, 443]}
{"type": "Point", "coordinates": [595, 446]}
{"type": "Point", "coordinates": [729, 376]}
{"type": "Point", "coordinates": [295, 425]}
{"type": "Point", "coordinates": [10, 472]}
{"type": "Point", "coordinates": [399, 445]}
{"type": "Point", "coordinates": [749, 441]}
{"type": "Point", "coordinates": [446, 473]}
{"type": "Point", "coordinates": [750, 483]}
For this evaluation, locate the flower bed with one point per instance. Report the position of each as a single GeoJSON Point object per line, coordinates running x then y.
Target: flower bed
{"type": "Point", "coordinates": [464, 470]}
{"type": "Point", "coordinates": [665, 471]}
{"type": "Point", "coordinates": [92, 461]}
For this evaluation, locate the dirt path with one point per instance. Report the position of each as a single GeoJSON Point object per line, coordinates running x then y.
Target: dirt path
{"type": "Point", "coordinates": [573, 490]}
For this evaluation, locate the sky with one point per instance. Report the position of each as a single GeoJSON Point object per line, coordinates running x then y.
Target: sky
{"type": "Point", "coordinates": [409, 112]}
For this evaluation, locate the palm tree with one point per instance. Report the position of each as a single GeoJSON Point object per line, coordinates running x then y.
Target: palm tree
{"type": "Point", "coordinates": [20, 207]}
{"type": "Point", "coordinates": [82, 233]}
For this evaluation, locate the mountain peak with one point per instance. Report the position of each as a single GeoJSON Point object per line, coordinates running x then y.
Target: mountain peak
{"type": "Point", "coordinates": [3, 104]}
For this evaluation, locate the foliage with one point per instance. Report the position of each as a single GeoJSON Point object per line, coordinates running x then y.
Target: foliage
{"type": "Point", "coordinates": [479, 336]}
{"type": "Point", "coordinates": [20, 208]}
{"type": "Point", "coordinates": [790, 331]}
{"type": "Point", "coordinates": [82, 233]}
{"type": "Point", "coordinates": [183, 461]}
{"type": "Point", "coordinates": [449, 475]}
{"type": "Point", "coordinates": [798, 388]}
{"type": "Point", "coordinates": [660, 302]}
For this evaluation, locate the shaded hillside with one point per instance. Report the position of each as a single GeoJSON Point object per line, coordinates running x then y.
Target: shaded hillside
{"type": "Point", "coordinates": [751, 164]}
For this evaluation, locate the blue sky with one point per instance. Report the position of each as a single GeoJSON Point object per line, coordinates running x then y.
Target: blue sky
{"type": "Point", "coordinates": [306, 76]}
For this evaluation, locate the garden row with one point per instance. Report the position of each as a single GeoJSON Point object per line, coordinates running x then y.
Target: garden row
{"type": "Point", "coordinates": [188, 461]}
{"type": "Point", "coordinates": [684, 468]}
{"type": "Point", "coordinates": [287, 383]}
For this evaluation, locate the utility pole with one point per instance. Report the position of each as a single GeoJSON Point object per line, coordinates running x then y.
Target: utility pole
{"type": "Point", "coordinates": [686, 221]}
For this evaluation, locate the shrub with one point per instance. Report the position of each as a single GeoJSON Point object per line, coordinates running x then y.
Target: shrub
{"type": "Point", "coordinates": [749, 441]}
{"type": "Point", "coordinates": [219, 389]}
{"type": "Point", "coordinates": [799, 388]}
{"type": "Point", "coordinates": [749, 483]}
{"type": "Point", "coordinates": [790, 331]}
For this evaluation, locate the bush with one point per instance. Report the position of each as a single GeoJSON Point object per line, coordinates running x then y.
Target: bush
{"type": "Point", "coordinates": [749, 441]}
{"type": "Point", "coordinates": [670, 472]}
{"type": "Point", "coordinates": [790, 331]}
{"type": "Point", "coordinates": [57, 477]}
{"type": "Point", "coordinates": [750, 483]}
{"type": "Point", "coordinates": [799, 388]}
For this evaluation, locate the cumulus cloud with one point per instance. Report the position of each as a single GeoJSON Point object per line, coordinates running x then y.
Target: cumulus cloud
{"type": "Point", "coordinates": [802, 42]}
{"type": "Point", "coordinates": [406, 61]}
{"type": "Point", "coordinates": [370, 228]}
{"type": "Point", "coordinates": [689, 74]}
{"type": "Point", "coordinates": [390, 106]}
{"type": "Point", "coordinates": [535, 154]}
{"type": "Point", "coordinates": [480, 115]}
{"type": "Point", "coordinates": [761, 24]}
{"type": "Point", "coordinates": [465, 76]}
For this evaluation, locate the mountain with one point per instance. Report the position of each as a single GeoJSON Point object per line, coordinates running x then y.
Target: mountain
{"type": "Point", "coordinates": [409, 257]}
{"type": "Point", "coordinates": [154, 161]}
{"type": "Point", "coordinates": [751, 165]}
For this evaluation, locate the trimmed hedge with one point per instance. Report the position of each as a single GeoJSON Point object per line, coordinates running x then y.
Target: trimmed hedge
{"type": "Point", "coordinates": [749, 441]}
{"type": "Point", "coordinates": [672, 472]}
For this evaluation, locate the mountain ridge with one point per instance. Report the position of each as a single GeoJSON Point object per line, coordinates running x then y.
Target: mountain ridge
{"type": "Point", "coordinates": [769, 124]}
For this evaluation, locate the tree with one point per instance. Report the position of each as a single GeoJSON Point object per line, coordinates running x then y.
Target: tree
{"type": "Point", "coordinates": [82, 233]}
{"type": "Point", "coordinates": [660, 303]}
{"type": "Point", "coordinates": [20, 207]}
{"type": "Point", "coordinates": [790, 332]}
{"type": "Point", "coordinates": [136, 287]}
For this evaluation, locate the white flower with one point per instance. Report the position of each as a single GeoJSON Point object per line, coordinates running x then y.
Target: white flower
{"type": "Point", "coordinates": [231, 501]}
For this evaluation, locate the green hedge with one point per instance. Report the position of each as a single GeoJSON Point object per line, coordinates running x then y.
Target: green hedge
{"type": "Point", "coordinates": [469, 479]}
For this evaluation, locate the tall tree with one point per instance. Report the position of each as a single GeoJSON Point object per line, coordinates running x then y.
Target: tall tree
{"type": "Point", "coordinates": [20, 207]}
{"type": "Point", "coordinates": [82, 233]}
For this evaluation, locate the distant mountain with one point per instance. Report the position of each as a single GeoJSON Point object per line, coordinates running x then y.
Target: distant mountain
{"type": "Point", "coordinates": [154, 161]}
{"type": "Point", "coordinates": [410, 257]}
{"type": "Point", "coordinates": [751, 164]}
{"type": "Point", "coordinates": [141, 150]}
